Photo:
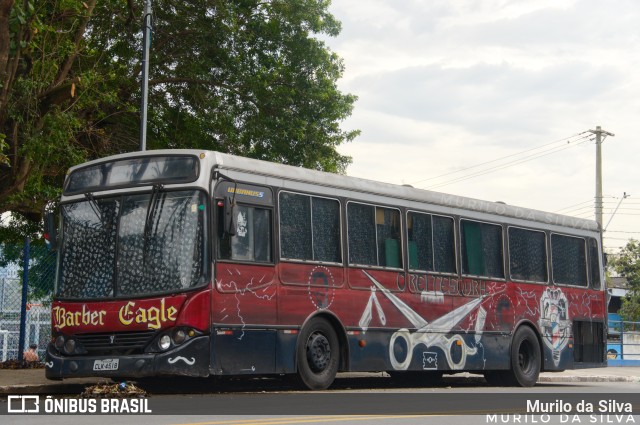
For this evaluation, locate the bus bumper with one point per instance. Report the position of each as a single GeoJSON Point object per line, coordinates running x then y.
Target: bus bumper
{"type": "Point", "coordinates": [189, 359]}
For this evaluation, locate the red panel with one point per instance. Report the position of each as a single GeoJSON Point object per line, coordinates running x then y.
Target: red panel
{"type": "Point", "coordinates": [245, 295]}
{"type": "Point", "coordinates": [196, 312]}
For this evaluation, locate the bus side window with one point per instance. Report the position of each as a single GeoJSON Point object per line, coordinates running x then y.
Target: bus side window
{"type": "Point", "coordinates": [594, 264]}
{"type": "Point", "coordinates": [374, 235]}
{"type": "Point", "coordinates": [482, 249]}
{"type": "Point", "coordinates": [309, 228]}
{"type": "Point", "coordinates": [568, 259]}
{"type": "Point", "coordinates": [431, 243]}
{"type": "Point", "coordinates": [362, 234]}
{"type": "Point", "coordinates": [388, 235]}
{"type": "Point", "coordinates": [444, 245]}
{"type": "Point", "coordinates": [527, 255]}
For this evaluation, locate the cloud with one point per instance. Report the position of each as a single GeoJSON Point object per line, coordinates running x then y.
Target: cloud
{"type": "Point", "coordinates": [444, 85]}
{"type": "Point", "coordinates": [484, 98]}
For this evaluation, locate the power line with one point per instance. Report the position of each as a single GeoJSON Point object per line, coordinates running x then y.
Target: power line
{"type": "Point", "coordinates": [575, 211]}
{"type": "Point", "coordinates": [621, 231]}
{"type": "Point", "coordinates": [511, 164]}
{"type": "Point", "coordinates": [574, 205]}
{"type": "Point", "coordinates": [502, 158]}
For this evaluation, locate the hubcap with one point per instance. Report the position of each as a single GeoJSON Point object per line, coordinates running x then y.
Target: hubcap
{"type": "Point", "coordinates": [524, 356]}
{"type": "Point", "coordinates": [318, 352]}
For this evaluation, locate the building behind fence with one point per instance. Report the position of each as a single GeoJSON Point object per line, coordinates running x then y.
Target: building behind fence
{"type": "Point", "coordinates": [36, 309]}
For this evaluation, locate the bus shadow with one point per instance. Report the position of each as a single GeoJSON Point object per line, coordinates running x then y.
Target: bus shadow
{"type": "Point", "coordinates": [271, 384]}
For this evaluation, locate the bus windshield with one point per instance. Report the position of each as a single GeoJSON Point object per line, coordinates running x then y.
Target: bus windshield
{"type": "Point", "coordinates": [132, 245]}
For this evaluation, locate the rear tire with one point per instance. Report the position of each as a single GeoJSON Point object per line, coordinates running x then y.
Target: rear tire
{"type": "Point", "coordinates": [525, 359]}
{"type": "Point", "coordinates": [318, 354]}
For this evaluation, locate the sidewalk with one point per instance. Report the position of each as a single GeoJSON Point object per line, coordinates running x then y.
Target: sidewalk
{"type": "Point", "coordinates": [33, 381]}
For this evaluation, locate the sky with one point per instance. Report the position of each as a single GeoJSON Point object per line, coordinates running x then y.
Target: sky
{"type": "Point", "coordinates": [446, 85]}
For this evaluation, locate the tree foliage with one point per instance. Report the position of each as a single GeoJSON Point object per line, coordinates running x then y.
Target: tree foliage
{"type": "Point", "coordinates": [627, 264]}
{"type": "Point", "coordinates": [246, 77]}
{"type": "Point", "coordinates": [42, 267]}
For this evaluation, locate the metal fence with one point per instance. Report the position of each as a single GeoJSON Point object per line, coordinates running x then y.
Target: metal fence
{"type": "Point", "coordinates": [623, 340]}
{"type": "Point", "coordinates": [25, 297]}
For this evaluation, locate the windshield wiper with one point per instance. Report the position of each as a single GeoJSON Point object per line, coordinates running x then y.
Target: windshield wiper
{"type": "Point", "coordinates": [94, 205]}
{"type": "Point", "coordinates": [151, 209]}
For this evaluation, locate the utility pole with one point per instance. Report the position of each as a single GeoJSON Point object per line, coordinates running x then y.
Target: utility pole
{"type": "Point", "coordinates": [599, 132]}
{"type": "Point", "coordinates": [146, 45]}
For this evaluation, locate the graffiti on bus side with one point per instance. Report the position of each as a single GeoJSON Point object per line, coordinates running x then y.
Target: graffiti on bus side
{"type": "Point", "coordinates": [554, 321]}
{"type": "Point", "coordinates": [430, 334]}
{"type": "Point", "coordinates": [321, 287]}
{"type": "Point", "coordinates": [438, 286]}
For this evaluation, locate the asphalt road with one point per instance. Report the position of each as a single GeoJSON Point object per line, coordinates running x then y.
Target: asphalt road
{"type": "Point", "coordinates": [351, 401]}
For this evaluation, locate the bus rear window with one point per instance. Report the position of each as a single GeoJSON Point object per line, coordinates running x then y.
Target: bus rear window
{"type": "Point", "coordinates": [132, 172]}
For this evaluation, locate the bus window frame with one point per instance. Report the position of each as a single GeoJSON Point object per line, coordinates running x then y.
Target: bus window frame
{"type": "Point", "coordinates": [349, 264]}
{"type": "Point", "coordinates": [455, 244]}
{"type": "Point", "coordinates": [547, 255]}
{"type": "Point", "coordinates": [502, 241]}
{"type": "Point", "coordinates": [586, 261]}
{"type": "Point", "coordinates": [298, 260]}
{"type": "Point", "coordinates": [133, 184]}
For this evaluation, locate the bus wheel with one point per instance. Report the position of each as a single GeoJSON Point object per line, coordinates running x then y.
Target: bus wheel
{"type": "Point", "coordinates": [525, 359]}
{"type": "Point", "coordinates": [318, 354]}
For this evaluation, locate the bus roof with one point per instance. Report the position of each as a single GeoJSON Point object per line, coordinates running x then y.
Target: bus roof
{"type": "Point", "coordinates": [330, 180]}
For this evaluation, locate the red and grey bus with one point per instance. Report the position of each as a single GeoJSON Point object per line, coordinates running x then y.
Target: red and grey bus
{"type": "Point", "coordinates": [198, 263]}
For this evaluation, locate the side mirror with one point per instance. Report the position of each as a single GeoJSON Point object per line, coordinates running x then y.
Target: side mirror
{"type": "Point", "coordinates": [50, 233]}
{"type": "Point", "coordinates": [229, 213]}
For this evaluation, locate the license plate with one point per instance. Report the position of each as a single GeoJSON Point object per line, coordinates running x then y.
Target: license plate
{"type": "Point", "coordinates": [106, 364]}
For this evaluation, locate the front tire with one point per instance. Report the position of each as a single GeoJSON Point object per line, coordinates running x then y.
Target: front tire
{"type": "Point", "coordinates": [318, 354]}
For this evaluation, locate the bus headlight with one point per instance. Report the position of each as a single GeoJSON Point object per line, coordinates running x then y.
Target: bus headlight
{"type": "Point", "coordinates": [70, 346]}
{"type": "Point", "coordinates": [59, 344]}
{"type": "Point", "coordinates": [179, 336]}
{"type": "Point", "coordinates": [165, 342]}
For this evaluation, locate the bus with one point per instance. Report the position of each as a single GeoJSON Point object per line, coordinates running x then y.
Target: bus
{"type": "Point", "coordinates": [199, 263]}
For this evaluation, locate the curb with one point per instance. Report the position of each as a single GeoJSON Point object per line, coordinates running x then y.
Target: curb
{"type": "Point", "coordinates": [610, 378]}
{"type": "Point", "coordinates": [42, 389]}
{"type": "Point", "coordinates": [75, 388]}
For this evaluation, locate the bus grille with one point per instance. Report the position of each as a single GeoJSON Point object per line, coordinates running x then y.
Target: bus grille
{"type": "Point", "coordinates": [116, 342]}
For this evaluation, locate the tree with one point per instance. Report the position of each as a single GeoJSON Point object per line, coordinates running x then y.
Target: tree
{"type": "Point", "coordinates": [627, 264]}
{"type": "Point", "coordinates": [42, 265]}
{"type": "Point", "coordinates": [246, 77]}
